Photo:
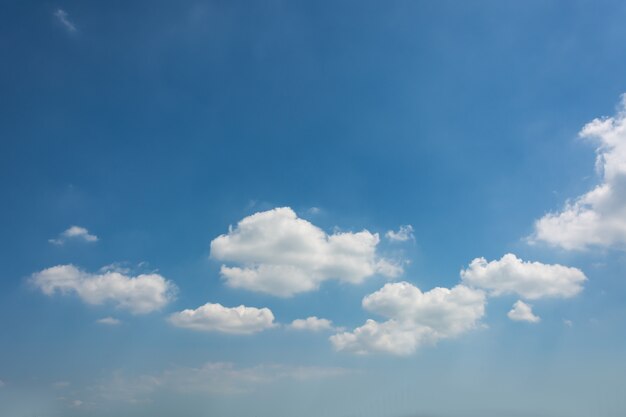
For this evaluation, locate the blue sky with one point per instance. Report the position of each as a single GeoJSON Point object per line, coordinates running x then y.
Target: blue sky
{"type": "Point", "coordinates": [452, 171]}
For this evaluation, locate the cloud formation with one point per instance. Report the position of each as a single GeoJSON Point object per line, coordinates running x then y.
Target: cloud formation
{"type": "Point", "coordinates": [403, 234]}
{"type": "Point", "coordinates": [312, 324]}
{"type": "Point", "coordinates": [141, 294]}
{"type": "Point", "coordinates": [523, 312]}
{"type": "Point", "coordinates": [217, 318]}
{"type": "Point", "coordinates": [63, 18]}
{"type": "Point", "coordinates": [281, 254]}
{"type": "Point", "coordinates": [530, 280]}
{"type": "Point", "coordinates": [75, 233]}
{"type": "Point", "coordinates": [415, 318]}
{"type": "Point", "coordinates": [598, 217]}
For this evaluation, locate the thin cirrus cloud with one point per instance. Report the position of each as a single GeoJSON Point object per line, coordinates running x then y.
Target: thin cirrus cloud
{"type": "Point", "coordinates": [74, 233]}
{"type": "Point", "coordinates": [523, 312]}
{"type": "Point", "coordinates": [140, 295]}
{"type": "Point", "coordinates": [280, 254]}
{"type": "Point", "coordinates": [217, 318]}
{"type": "Point", "coordinates": [598, 217]}
{"type": "Point", "coordinates": [312, 324]}
{"type": "Point", "coordinates": [415, 318]}
{"type": "Point", "coordinates": [530, 280]}
{"type": "Point", "coordinates": [403, 234]}
{"type": "Point", "coordinates": [63, 18]}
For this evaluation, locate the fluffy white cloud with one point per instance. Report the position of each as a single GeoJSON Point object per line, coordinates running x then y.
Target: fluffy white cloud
{"type": "Point", "coordinates": [403, 234]}
{"type": "Point", "coordinates": [64, 19]}
{"type": "Point", "coordinates": [523, 312]}
{"type": "Point", "coordinates": [216, 317]}
{"type": "Point", "coordinates": [281, 254]}
{"type": "Point", "coordinates": [597, 218]}
{"type": "Point", "coordinates": [312, 324]}
{"type": "Point", "coordinates": [415, 318]}
{"type": "Point", "coordinates": [109, 321]}
{"type": "Point", "coordinates": [530, 280]}
{"type": "Point", "coordinates": [141, 294]}
{"type": "Point", "coordinates": [74, 233]}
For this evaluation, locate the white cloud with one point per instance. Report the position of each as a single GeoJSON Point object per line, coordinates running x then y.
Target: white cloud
{"type": "Point", "coordinates": [530, 280]}
{"type": "Point", "coordinates": [215, 317]}
{"type": "Point", "coordinates": [141, 294]}
{"type": "Point", "coordinates": [109, 321]}
{"type": "Point", "coordinates": [403, 234]}
{"type": "Point", "coordinates": [312, 324]}
{"type": "Point", "coordinates": [63, 18]}
{"type": "Point", "coordinates": [598, 217]}
{"type": "Point", "coordinates": [281, 254]}
{"type": "Point", "coordinates": [75, 233]}
{"type": "Point", "coordinates": [523, 312]}
{"type": "Point", "coordinates": [415, 318]}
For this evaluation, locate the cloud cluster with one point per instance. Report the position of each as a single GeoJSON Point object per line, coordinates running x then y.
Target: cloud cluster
{"type": "Point", "coordinates": [141, 294]}
{"type": "Point", "coordinates": [75, 233]}
{"type": "Point", "coordinates": [281, 254]}
{"type": "Point", "coordinates": [530, 280]}
{"type": "Point", "coordinates": [403, 234]}
{"type": "Point", "coordinates": [523, 312]}
{"type": "Point", "coordinates": [415, 318]}
{"type": "Point", "coordinates": [598, 217]}
{"type": "Point", "coordinates": [312, 324]}
{"type": "Point", "coordinates": [217, 318]}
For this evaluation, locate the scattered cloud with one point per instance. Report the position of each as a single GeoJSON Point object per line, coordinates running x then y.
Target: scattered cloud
{"type": "Point", "coordinates": [140, 294]}
{"type": "Point", "coordinates": [217, 318]}
{"type": "Point", "coordinates": [109, 321]}
{"type": "Point", "coordinates": [403, 234]}
{"type": "Point", "coordinates": [282, 255]}
{"type": "Point", "coordinates": [523, 312]}
{"type": "Point", "coordinates": [415, 318]}
{"type": "Point", "coordinates": [61, 384]}
{"type": "Point", "coordinates": [530, 280]}
{"type": "Point", "coordinates": [598, 217]}
{"type": "Point", "coordinates": [64, 19]}
{"type": "Point", "coordinates": [568, 323]}
{"type": "Point", "coordinates": [74, 233]}
{"type": "Point", "coordinates": [312, 324]}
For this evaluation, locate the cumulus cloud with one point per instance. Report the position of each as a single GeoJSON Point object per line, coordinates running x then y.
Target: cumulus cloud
{"type": "Point", "coordinates": [312, 324]}
{"type": "Point", "coordinates": [217, 318]}
{"type": "Point", "coordinates": [403, 234]}
{"type": "Point", "coordinates": [109, 321]}
{"type": "Point", "coordinates": [280, 254]}
{"type": "Point", "coordinates": [75, 233]}
{"type": "Point", "coordinates": [141, 294]}
{"type": "Point", "coordinates": [64, 19]}
{"type": "Point", "coordinates": [523, 312]}
{"type": "Point", "coordinates": [415, 318]}
{"type": "Point", "coordinates": [598, 217]}
{"type": "Point", "coordinates": [530, 280]}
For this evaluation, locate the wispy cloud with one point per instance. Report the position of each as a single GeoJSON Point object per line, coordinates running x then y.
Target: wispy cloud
{"type": "Point", "coordinates": [63, 18]}
{"type": "Point", "coordinates": [109, 321]}
{"type": "Point", "coordinates": [76, 233]}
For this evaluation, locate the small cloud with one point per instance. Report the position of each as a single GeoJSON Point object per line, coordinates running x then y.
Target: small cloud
{"type": "Point", "coordinates": [314, 210]}
{"type": "Point", "coordinates": [312, 324]}
{"type": "Point", "coordinates": [109, 321]}
{"type": "Point", "coordinates": [523, 312]}
{"type": "Point", "coordinates": [403, 234]}
{"type": "Point", "coordinates": [75, 233]}
{"type": "Point", "coordinates": [217, 318]}
{"type": "Point", "coordinates": [568, 323]}
{"type": "Point", "coordinates": [63, 18]}
{"type": "Point", "coordinates": [77, 403]}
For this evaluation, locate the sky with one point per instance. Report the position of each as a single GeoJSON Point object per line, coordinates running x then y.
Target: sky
{"type": "Point", "coordinates": [322, 209]}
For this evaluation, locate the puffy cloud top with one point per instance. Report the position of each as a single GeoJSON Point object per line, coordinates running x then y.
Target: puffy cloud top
{"type": "Point", "coordinates": [531, 280]}
{"type": "Point", "coordinates": [282, 255]}
{"type": "Point", "coordinates": [141, 294]}
{"type": "Point", "coordinates": [216, 317]}
{"type": "Point", "coordinates": [415, 318]}
{"type": "Point", "coordinates": [74, 233]}
{"type": "Point", "coordinates": [523, 312]}
{"type": "Point", "coordinates": [312, 324]}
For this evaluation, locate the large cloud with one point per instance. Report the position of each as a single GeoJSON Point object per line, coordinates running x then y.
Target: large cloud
{"type": "Point", "coordinates": [597, 218]}
{"type": "Point", "coordinates": [141, 294]}
{"type": "Point", "coordinates": [531, 280]}
{"type": "Point", "coordinates": [415, 318]}
{"type": "Point", "coordinates": [217, 318]}
{"type": "Point", "coordinates": [281, 254]}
